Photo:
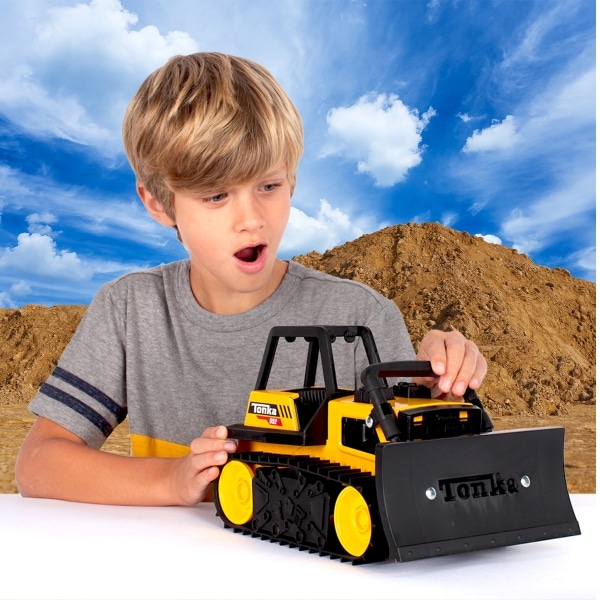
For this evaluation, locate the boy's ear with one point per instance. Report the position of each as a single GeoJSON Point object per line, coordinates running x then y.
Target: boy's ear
{"type": "Point", "coordinates": [154, 207]}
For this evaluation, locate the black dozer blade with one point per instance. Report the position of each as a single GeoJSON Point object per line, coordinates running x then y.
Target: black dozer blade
{"type": "Point", "coordinates": [452, 495]}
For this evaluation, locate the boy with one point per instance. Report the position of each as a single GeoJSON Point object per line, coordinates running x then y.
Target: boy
{"type": "Point", "coordinates": [214, 143]}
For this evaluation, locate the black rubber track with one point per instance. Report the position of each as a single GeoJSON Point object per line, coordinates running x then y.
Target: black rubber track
{"type": "Point", "coordinates": [295, 483]}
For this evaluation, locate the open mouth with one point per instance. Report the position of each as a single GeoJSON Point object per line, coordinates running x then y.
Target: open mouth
{"type": "Point", "coordinates": [250, 254]}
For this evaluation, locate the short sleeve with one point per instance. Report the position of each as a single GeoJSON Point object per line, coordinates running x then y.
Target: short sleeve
{"type": "Point", "coordinates": [86, 391]}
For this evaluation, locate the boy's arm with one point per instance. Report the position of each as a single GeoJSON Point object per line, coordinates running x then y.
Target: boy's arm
{"type": "Point", "coordinates": [55, 463]}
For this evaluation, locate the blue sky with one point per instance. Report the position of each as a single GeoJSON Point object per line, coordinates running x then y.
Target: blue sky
{"type": "Point", "coordinates": [476, 114]}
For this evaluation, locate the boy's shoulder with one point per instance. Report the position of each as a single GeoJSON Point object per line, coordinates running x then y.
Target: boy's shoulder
{"type": "Point", "coordinates": [158, 278]}
{"type": "Point", "coordinates": [162, 271]}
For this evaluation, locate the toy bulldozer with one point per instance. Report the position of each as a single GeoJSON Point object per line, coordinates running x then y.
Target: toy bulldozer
{"type": "Point", "coordinates": [385, 472]}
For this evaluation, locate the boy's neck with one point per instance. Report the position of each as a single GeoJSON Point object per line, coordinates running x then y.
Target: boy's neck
{"type": "Point", "coordinates": [229, 302]}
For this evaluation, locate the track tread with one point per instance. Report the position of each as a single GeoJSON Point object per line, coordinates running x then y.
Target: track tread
{"type": "Point", "coordinates": [333, 475]}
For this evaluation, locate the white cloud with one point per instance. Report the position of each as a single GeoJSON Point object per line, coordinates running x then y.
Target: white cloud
{"type": "Point", "coordinates": [76, 74]}
{"type": "Point", "coordinates": [12, 185]}
{"type": "Point", "coordinates": [38, 218]}
{"type": "Point", "coordinates": [381, 133]}
{"type": "Point", "coordinates": [37, 254]}
{"type": "Point", "coordinates": [6, 301]}
{"type": "Point", "coordinates": [433, 10]}
{"type": "Point", "coordinates": [565, 209]}
{"type": "Point", "coordinates": [467, 118]}
{"type": "Point", "coordinates": [585, 260]}
{"type": "Point", "coordinates": [498, 136]}
{"type": "Point", "coordinates": [421, 217]}
{"type": "Point", "coordinates": [40, 223]}
{"type": "Point", "coordinates": [536, 44]}
{"type": "Point", "coordinates": [543, 188]}
{"type": "Point", "coordinates": [329, 228]}
{"type": "Point", "coordinates": [20, 288]}
{"type": "Point", "coordinates": [489, 238]}
{"type": "Point", "coordinates": [449, 218]}
{"type": "Point", "coordinates": [565, 107]}
{"type": "Point", "coordinates": [123, 219]}
{"type": "Point", "coordinates": [44, 113]}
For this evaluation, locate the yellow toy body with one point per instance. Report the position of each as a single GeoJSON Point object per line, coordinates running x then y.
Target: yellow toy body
{"type": "Point", "coordinates": [272, 409]}
{"type": "Point", "coordinates": [276, 410]}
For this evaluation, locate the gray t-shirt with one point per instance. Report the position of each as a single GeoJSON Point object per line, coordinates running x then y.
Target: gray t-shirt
{"type": "Point", "coordinates": [146, 349]}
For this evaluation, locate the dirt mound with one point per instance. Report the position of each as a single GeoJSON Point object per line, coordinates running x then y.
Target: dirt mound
{"type": "Point", "coordinates": [536, 326]}
{"type": "Point", "coordinates": [33, 339]}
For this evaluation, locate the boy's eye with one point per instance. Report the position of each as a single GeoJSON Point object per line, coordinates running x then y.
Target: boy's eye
{"type": "Point", "coordinates": [215, 198]}
{"type": "Point", "coordinates": [269, 187]}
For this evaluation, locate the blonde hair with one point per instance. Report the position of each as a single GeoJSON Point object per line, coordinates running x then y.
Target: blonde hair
{"type": "Point", "coordinates": [207, 121]}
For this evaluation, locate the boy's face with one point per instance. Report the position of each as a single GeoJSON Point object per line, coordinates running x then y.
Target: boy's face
{"type": "Point", "coordinates": [232, 237]}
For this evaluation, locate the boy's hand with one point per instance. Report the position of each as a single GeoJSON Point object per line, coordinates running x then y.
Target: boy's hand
{"type": "Point", "coordinates": [196, 471]}
{"type": "Point", "coordinates": [455, 359]}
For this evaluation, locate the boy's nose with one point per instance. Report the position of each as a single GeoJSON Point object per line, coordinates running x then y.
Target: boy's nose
{"type": "Point", "coordinates": [249, 215]}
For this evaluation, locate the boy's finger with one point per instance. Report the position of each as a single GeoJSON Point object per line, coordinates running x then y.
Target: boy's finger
{"type": "Point", "coordinates": [207, 460]}
{"type": "Point", "coordinates": [457, 366]}
{"type": "Point", "coordinates": [203, 445]}
{"type": "Point", "coordinates": [218, 432]}
{"type": "Point", "coordinates": [465, 361]}
{"type": "Point", "coordinates": [479, 374]}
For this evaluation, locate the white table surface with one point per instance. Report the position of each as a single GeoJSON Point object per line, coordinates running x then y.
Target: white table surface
{"type": "Point", "coordinates": [55, 549]}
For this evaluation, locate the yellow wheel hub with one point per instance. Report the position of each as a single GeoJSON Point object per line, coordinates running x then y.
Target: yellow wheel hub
{"type": "Point", "coordinates": [352, 521]}
{"type": "Point", "coordinates": [235, 491]}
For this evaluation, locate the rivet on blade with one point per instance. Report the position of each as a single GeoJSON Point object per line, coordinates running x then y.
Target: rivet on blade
{"type": "Point", "coordinates": [525, 481]}
{"type": "Point", "coordinates": [430, 493]}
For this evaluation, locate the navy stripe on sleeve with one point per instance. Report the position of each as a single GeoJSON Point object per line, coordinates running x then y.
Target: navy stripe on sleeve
{"type": "Point", "coordinates": [83, 409]}
{"type": "Point", "coordinates": [93, 392]}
